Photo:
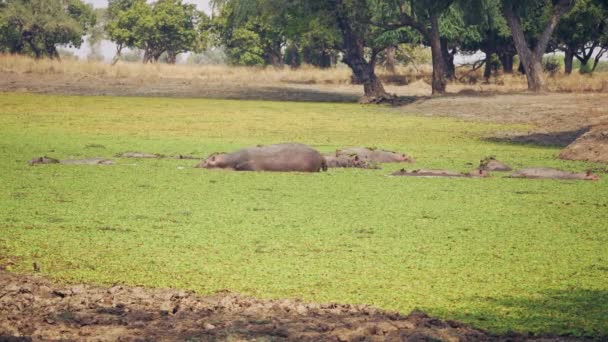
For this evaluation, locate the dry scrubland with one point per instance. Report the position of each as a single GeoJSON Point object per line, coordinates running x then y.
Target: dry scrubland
{"type": "Point", "coordinates": [407, 80]}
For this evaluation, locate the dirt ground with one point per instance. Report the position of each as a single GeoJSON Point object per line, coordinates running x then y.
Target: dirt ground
{"type": "Point", "coordinates": [555, 118]}
{"type": "Point", "coordinates": [34, 309]}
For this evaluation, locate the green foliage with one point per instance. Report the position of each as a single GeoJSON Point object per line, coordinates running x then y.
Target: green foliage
{"type": "Point", "coordinates": [252, 31]}
{"type": "Point", "coordinates": [583, 30]}
{"type": "Point", "coordinates": [501, 254]}
{"type": "Point", "coordinates": [166, 26]}
{"type": "Point", "coordinates": [37, 27]}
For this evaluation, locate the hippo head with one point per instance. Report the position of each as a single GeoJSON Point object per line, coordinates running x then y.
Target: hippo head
{"type": "Point", "coordinates": [43, 160]}
{"type": "Point", "coordinates": [403, 157]}
{"type": "Point", "coordinates": [357, 162]}
{"type": "Point", "coordinates": [214, 161]}
{"type": "Point", "coordinates": [479, 173]}
{"type": "Point", "coordinates": [591, 176]}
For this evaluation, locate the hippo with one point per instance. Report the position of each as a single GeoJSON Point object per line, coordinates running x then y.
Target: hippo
{"type": "Point", "coordinates": [440, 173]}
{"type": "Point", "coordinates": [138, 155]}
{"type": "Point", "coordinates": [288, 157]}
{"type": "Point", "coordinates": [375, 155]}
{"type": "Point", "coordinates": [491, 164]}
{"type": "Point", "coordinates": [43, 160]}
{"type": "Point", "coordinates": [549, 173]}
{"type": "Point", "coordinates": [334, 161]}
{"type": "Point", "coordinates": [88, 161]}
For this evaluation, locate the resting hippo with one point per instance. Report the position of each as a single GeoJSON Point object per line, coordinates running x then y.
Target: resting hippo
{"type": "Point", "coordinates": [88, 161]}
{"type": "Point", "coordinates": [334, 161]}
{"type": "Point", "coordinates": [548, 173]}
{"type": "Point", "coordinates": [440, 173]}
{"type": "Point", "coordinates": [281, 157]}
{"type": "Point", "coordinates": [491, 164]}
{"type": "Point", "coordinates": [375, 155]}
{"type": "Point", "coordinates": [43, 160]}
{"type": "Point", "coordinates": [138, 155]}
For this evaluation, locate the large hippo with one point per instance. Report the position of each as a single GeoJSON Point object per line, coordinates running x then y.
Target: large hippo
{"type": "Point", "coordinates": [280, 157]}
{"type": "Point", "coordinates": [440, 173]}
{"type": "Point", "coordinates": [549, 173]}
{"type": "Point", "coordinates": [375, 155]}
{"type": "Point", "coordinates": [334, 161]}
{"type": "Point", "coordinates": [491, 164]}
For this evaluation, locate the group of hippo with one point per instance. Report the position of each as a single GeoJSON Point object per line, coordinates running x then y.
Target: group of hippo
{"type": "Point", "coordinates": [302, 158]}
{"type": "Point", "coordinates": [295, 157]}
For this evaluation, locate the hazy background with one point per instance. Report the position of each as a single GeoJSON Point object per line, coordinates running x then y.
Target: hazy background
{"type": "Point", "coordinates": [108, 49]}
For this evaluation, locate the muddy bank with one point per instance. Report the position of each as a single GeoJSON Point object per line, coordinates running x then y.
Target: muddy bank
{"type": "Point", "coordinates": [34, 309]}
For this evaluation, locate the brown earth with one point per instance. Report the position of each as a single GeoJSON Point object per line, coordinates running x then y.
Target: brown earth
{"type": "Point", "coordinates": [592, 146]}
{"type": "Point", "coordinates": [555, 119]}
{"type": "Point", "coordinates": [34, 309]}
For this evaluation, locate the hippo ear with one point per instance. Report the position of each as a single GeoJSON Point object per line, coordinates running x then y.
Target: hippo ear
{"type": "Point", "coordinates": [213, 157]}
{"type": "Point", "coordinates": [356, 158]}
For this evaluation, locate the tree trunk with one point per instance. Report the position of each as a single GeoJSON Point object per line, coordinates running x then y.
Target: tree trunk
{"type": "Point", "coordinates": [506, 59]}
{"type": "Point", "coordinates": [487, 73]}
{"type": "Point", "coordinates": [568, 60]}
{"type": "Point", "coordinates": [439, 81]}
{"type": "Point", "coordinates": [448, 58]}
{"type": "Point", "coordinates": [354, 57]}
{"type": "Point", "coordinates": [532, 58]}
{"type": "Point", "coordinates": [391, 60]}
{"type": "Point", "coordinates": [325, 61]}
{"type": "Point", "coordinates": [118, 54]}
{"type": "Point", "coordinates": [171, 57]}
{"type": "Point", "coordinates": [597, 59]}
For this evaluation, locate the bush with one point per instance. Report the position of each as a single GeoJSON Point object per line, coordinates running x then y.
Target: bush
{"type": "Point", "coordinates": [552, 64]}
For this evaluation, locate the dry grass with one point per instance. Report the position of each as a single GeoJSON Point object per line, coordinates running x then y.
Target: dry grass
{"type": "Point", "coordinates": [574, 83]}
{"type": "Point", "coordinates": [306, 75]}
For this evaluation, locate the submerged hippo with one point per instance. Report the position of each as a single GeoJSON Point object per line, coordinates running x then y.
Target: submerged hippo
{"type": "Point", "coordinates": [87, 161]}
{"type": "Point", "coordinates": [375, 155]}
{"type": "Point", "coordinates": [549, 173]}
{"type": "Point", "coordinates": [43, 160]}
{"type": "Point", "coordinates": [184, 156]}
{"type": "Point", "coordinates": [334, 161]}
{"type": "Point", "coordinates": [138, 155]}
{"type": "Point", "coordinates": [440, 173]}
{"type": "Point", "coordinates": [281, 157]}
{"type": "Point", "coordinates": [491, 164]}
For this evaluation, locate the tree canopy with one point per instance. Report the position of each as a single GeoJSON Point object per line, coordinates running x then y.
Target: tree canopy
{"type": "Point", "coordinates": [36, 27]}
{"type": "Point", "coordinates": [165, 26]}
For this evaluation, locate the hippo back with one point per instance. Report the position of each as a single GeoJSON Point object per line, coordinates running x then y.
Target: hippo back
{"type": "Point", "coordinates": [282, 157]}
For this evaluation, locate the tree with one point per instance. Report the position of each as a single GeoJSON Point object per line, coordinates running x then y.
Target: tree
{"type": "Point", "coordinates": [531, 55]}
{"type": "Point", "coordinates": [172, 28]}
{"type": "Point", "coordinates": [490, 34]}
{"type": "Point", "coordinates": [37, 27]}
{"type": "Point", "coordinates": [252, 31]}
{"type": "Point", "coordinates": [166, 26]}
{"type": "Point", "coordinates": [424, 17]}
{"type": "Point", "coordinates": [123, 17]}
{"type": "Point", "coordinates": [581, 32]}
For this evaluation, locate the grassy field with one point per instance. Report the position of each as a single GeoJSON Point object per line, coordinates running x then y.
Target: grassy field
{"type": "Point", "coordinates": [501, 254]}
